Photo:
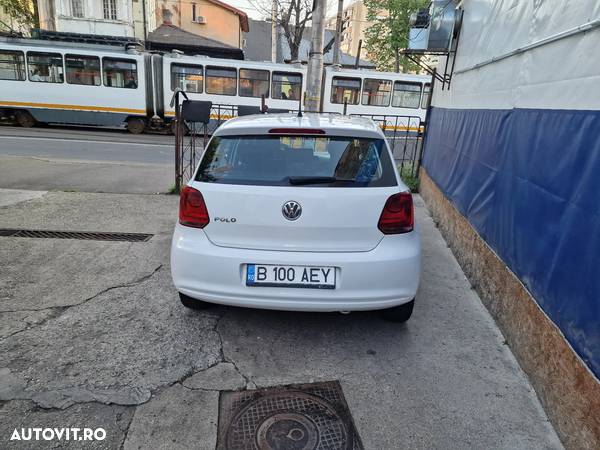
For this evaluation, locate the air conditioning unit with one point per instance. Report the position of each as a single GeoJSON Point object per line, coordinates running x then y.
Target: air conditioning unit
{"type": "Point", "coordinates": [199, 19]}
{"type": "Point", "coordinates": [433, 28]}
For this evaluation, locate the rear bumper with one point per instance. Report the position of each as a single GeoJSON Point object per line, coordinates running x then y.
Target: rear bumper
{"type": "Point", "coordinates": [384, 277]}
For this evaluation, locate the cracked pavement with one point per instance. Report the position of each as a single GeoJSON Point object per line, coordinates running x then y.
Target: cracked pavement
{"type": "Point", "coordinates": [92, 334]}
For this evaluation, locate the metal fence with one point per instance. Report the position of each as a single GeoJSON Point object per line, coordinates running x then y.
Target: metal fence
{"type": "Point", "coordinates": [405, 137]}
{"type": "Point", "coordinates": [197, 120]}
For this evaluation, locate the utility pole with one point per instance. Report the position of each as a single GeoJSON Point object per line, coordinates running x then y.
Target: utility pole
{"type": "Point", "coordinates": [338, 32]}
{"type": "Point", "coordinates": [274, 32]}
{"type": "Point", "coordinates": [357, 61]}
{"type": "Point", "coordinates": [315, 61]}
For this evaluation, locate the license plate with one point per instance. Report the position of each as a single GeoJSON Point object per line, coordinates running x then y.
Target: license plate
{"type": "Point", "coordinates": [316, 277]}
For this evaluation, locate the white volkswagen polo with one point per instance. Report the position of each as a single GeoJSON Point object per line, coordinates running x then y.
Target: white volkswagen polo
{"type": "Point", "coordinates": [297, 213]}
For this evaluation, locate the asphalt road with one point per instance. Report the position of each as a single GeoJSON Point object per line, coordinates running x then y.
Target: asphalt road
{"type": "Point", "coordinates": [89, 159]}
{"type": "Point", "coordinates": [85, 159]}
{"type": "Point", "coordinates": [92, 334]}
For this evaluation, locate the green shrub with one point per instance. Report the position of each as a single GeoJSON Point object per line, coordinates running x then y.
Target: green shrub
{"type": "Point", "coordinates": [409, 176]}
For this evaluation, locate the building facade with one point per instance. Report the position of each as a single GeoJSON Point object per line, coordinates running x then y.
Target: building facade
{"type": "Point", "coordinates": [144, 18]}
{"type": "Point", "coordinates": [355, 24]}
{"type": "Point", "coordinates": [212, 19]}
{"type": "Point", "coordinates": [168, 37]}
{"type": "Point", "coordinates": [130, 18]}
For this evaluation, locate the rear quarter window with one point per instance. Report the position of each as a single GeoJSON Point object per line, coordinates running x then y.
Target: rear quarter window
{"type": "Point", "coordinates": [333, 161]}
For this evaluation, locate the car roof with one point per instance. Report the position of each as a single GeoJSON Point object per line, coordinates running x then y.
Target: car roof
{"type": "Point", "coordinates": [332, 124]}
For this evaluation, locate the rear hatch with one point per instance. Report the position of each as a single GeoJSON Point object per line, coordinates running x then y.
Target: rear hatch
{"type": "Point", "coordinates": [296, 193]}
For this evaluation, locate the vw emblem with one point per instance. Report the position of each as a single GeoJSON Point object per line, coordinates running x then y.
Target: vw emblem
{"type": "Point", "coordinates": [291, 210]}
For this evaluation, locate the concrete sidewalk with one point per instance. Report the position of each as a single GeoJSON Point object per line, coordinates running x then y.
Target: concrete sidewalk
{"type": "Point", "coordinates": [92, 335]}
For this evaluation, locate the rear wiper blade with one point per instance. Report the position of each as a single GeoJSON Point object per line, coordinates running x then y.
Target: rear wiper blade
{"type": "Point", "coordinates": [317, 180]}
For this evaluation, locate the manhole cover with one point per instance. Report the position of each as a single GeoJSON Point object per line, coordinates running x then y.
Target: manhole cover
{"type": "Point", "coordinates": [296, 417]}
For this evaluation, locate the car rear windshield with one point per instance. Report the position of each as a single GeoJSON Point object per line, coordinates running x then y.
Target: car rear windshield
{"type": "Point", "coordinates": [297, 160]}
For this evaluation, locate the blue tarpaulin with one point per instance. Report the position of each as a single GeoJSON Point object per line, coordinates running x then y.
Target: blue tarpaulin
{"type": "Point", "coordinates": [529, 182]}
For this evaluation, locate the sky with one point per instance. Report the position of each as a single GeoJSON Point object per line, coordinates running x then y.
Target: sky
{"type": "Point", "coordinates": [253, 7]}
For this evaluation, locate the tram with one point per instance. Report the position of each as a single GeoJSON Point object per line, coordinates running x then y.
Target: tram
{"type": "Point", "coordinates": [99, 85]}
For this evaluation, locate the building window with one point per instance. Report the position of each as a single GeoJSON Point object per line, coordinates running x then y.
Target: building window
{"type": "Point", "coordinates": [187, 77]}
{"type": "Point", "coordinates": [343, 88]}
{"type": "Point", "coordinates": [406, 95]}
{"type": "Point", "coordinates": [286, 85]}
{"type": "Point", "coordinates": [221, 80]}
{"type": "Point", "coordinates": [193, 12]}
{"type": "Point", "coordinates": [45, 67]}
{"type": "Point", "coordinates": [254, 83]}
{"type": "Point", "coordinates": [120, 73]}
{"type": "Point", "coordinates": [12, 65]}
{"type": "Point", "coordinates": [77, 8]}
{"type": "Point", "coordinates": [83, 69]}
{"type": "Point", "coordinates": [110, 9]}
{"type": "Point", "coordinates": [376, 92]}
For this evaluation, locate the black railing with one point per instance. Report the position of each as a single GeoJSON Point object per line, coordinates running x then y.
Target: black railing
{"type": "Point", "coordinates": [405, 137]}
{"type": "Point", "coordinates": [197, 122]}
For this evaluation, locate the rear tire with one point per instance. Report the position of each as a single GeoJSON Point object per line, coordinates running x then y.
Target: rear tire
{"type": "Point", "coordinates": [24, 119]}
{"type": "Point", "coordinates": [400, 313]}
{"type": "Point", "coordinates": [136, 125]}
{"type": "Point", "coordinates": [192, 303]}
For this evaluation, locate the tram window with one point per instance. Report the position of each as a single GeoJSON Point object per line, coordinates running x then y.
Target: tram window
{"type": "Point", "coordinates": [254, 83]}
{"type": "Point", "coordinates": [286, 85]}
{"type": "Point", "coordinates": [12, 65]}
{"type": "Point", "coordinates": [45, 67]}
{"type": "Point", "coordinates": [221, 80]}
{"type": "Point", "coordinates": [376, 92]}
{"type": "Point", "coordinates": [406, 95]}
{"type": "Point", "coordinates": [187, 77]}
{"type": "Point", "coordinates": [83, 69]}
{"type": "Point", "coordinates": [120, 73]}
{"type": "Point", "coordinates": [426, 94]}
{"type": "Point", "coordinates": [343, 88]}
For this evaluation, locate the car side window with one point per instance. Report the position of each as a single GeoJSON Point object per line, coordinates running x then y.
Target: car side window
{"type": "Point", "coordinates": [120, 73]}
{"type": "Point", "coordinates": [12, 65]}
{"type": "Point", "coordinates": [286, 86]}
{"type": "Point", "coordinates": [45, 67]}
{"type": "Point", "coordinates": [187, 77]}
{"type": "Point", "coordinates": [83, 69]}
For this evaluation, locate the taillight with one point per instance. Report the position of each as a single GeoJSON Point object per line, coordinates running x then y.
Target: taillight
{"type": "Point", "coordinates": [192, 209]}
{"type": "Point", "coordinates": [397, 215]}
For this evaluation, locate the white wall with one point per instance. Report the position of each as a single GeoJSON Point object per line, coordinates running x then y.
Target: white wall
{"type": "Point", "coordinates": [138, 17]}
{"type": "Point", "coordinates": [564, 74]}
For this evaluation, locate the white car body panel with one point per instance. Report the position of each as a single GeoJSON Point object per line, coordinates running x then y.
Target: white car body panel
{"type": "Point", "coordinates": [384, 277]}
{"type": "Point", "coordinates": [337, 228]}
{"type": "Point", "coordinates": [346, 223]}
